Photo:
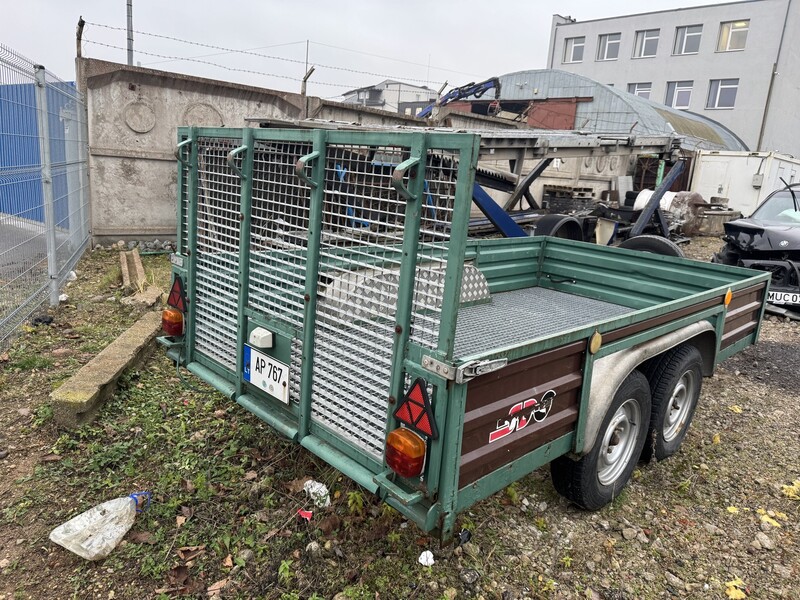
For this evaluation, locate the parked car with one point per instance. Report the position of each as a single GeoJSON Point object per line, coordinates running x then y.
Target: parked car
{"type": "Point", "coordinates": [769, 240]}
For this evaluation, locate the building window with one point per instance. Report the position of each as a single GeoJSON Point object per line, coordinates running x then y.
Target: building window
{"type": "Point", "coordinates": [733, 36]}
{"type": "Point", "coordinates": [608, 46]}
{"type": "Point", "coordinates": [679, 94]}
{"type": "Point", "coordinates": [573, 49]}
{"type": "Point", "coordinates": [640, 89]}
{"type": "Point", "coordinates": [646, 43]}
{"type": "Point", "coordinates": [722, 93]}
{"type": "Point", "coordinates": [687, 39]}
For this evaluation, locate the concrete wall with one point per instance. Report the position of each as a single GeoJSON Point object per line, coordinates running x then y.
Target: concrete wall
{"type": "Point", "coordinates": [752, 66]}
{"type": "Point", "coordinates": [133, 115]}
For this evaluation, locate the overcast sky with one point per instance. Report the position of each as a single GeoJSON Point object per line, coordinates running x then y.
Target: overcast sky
{"type": "Point", "coordinates": [422, 42]}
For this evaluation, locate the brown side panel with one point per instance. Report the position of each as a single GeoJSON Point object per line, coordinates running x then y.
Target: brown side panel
{"type": "Point", "coordinates": [519, 408]}
{"type": "Point", "coordinates": [742, 317]}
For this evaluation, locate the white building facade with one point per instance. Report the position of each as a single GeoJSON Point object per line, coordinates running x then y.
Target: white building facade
{"type": "Point", "coordinates": [394, 96]}
{"type": "Point", "coordinates": [735, 63]}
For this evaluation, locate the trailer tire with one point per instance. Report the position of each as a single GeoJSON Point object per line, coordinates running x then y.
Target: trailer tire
{"type": "Point", "coordinates": [560, 226]}
{"type": "Point", "coordinates": [675, 382]}
{"type": "Point", "coordinates": [598, 477]}
{"type": "Point", "coordinates": [654, 244]}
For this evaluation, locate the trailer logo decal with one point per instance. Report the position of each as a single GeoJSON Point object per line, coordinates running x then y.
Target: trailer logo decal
{"type": "Point", "coordinates": [539, 409]}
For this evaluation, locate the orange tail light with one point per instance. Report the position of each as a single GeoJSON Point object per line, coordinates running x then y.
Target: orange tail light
{"type": "Point", "coordinates": [172, 321]}
{"type": "Point", "coordinates": [405, 452]}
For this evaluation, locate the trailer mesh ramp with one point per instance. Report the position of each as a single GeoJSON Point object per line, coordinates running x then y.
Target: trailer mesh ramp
{"type": "Point", "coordinates": [524, 315]}
{"type": "Point", "coordinates": [362, 236]}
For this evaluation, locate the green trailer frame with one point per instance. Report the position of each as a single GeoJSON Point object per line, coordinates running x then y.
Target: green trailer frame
{"type": "Point", "coordinates": [351, 249]}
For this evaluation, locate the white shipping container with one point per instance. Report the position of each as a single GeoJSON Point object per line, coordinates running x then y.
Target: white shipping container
{"type": "Point", "coordinates": [745, 178]}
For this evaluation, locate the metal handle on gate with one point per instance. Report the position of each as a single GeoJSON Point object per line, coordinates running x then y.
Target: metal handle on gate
{"type": "Point", "coordinates": [399, 173]}
{"type": "Point", "coordinates": [231, 155]}
{"type": "Point", "coordinates": [300, 168]}
{"type": "Point", "coordinates": [178, 149]}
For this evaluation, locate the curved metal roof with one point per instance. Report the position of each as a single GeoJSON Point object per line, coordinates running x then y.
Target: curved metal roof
{"type": "Point", "coordinates": [612, 110]}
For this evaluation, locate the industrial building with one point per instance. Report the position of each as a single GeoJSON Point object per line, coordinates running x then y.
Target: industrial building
{"type": "Point", "coordinates": [736, 63]}
{"type": "Point", "coordinates": [393, 96]}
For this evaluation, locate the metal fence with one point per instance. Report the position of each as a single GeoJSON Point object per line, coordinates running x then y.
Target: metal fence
{"type": "Point", "coordinates": [44, 215]}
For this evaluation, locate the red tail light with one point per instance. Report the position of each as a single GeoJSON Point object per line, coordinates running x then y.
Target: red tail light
{"type": "Point", "coordinates": [172, 321]}
{"type": "Point", "coordinates": [405, 452]}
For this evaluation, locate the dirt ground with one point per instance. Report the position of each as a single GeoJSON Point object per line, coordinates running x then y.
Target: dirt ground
{"type": "Point", "coordinates": [721, 519]}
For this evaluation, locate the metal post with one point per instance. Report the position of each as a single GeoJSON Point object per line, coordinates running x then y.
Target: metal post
{"type": "Point", "coordinates": [42, 116]}
{"type": "Point", "coordinates": [69, 118]}
{"type": "Point", "coordinates": [660, 173]}
{"type": "Point", "coordinates": [303, 92]}
{"type": "Point", "coordinates": [130, 33]}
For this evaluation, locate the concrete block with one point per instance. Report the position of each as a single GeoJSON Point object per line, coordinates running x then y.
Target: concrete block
{"type": "Point", "coordinates": [79, 398]}
{"type": "Point", "coordinates": [133, 277]}
{"type": "Point", "coordinates": [150, 297]}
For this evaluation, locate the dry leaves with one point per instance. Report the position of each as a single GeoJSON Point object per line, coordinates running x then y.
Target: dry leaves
{"type": "Point", "coordinates": [792, 491]}
{"type": "Point", "coordinates": [142, 537]}
{"type": "Point", "coordinates": [216, 588]}
{"type": "Point", "coordinates": [188, 553]}
{"type": "Point", "coordinates": [250, 475]}
{"type": "Point", "coordinates": [228, 562]}
{"type": "Point", "coordinates": [296, 486]}
{"type": "Point", "coordinates": [735, 589]}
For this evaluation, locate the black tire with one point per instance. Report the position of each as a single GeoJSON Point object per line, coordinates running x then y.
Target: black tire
{"type": "Point", "coordinates": [675, 383]}
{"type": "Point", "coordinates": [592, 482]}
{"type": "Point", "coordinates": [560, 226]}
{"type": "Point", "coordinates": [654, 244]}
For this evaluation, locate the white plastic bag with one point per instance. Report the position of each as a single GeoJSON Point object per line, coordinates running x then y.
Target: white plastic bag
{"type": "Point", "coordinates": [95, 533]}
{"type": "Point", "coordinates": [318, 493]}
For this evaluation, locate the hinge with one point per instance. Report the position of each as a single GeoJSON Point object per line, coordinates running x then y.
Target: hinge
{"type": "Point", "coordinates": [438, 367]}
{"type": "Point", "coordinates": [475, 368]}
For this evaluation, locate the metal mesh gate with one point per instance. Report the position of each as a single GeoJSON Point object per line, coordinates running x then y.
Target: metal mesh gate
{"type": "Point", "coordinates": [216, 282]}
{"type": "Point", "coordinates": [360, 259]}
{"type": "Point", "coordinates": [351, 229]}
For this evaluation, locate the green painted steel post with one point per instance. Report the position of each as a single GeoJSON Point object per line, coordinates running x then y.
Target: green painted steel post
{"type": "Point", "coordinates": [660, 174]}
{"type": "Point", "coordinates": [312, 272]}
{"type": "Point", "coordinates": [451, 456]}
{"type": "Point", "coordinates": [583, 401]}
{"type": "Point", "coordinates": [468, 160]}
{"type": "Point", "coordinates": [245, 213]}
{"type": "Point", "coordinates": [191, 224]}
{"type": "Point", "coordinates": [408, 266]}
{"type": "Point", "coordinates": [456, 394]}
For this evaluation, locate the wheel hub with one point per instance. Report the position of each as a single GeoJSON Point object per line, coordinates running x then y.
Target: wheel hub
{"type": "Point", "coordinates": [619, 442]}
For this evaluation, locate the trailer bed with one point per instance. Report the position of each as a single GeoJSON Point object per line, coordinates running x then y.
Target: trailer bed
{"type": "Point", "coordinates": [524, 315]}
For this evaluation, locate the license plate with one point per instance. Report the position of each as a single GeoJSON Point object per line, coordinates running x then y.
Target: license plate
{"type": "Point", "coordinates": [266, 373]}
{"type": "Point", "coordinates": [783, 298]}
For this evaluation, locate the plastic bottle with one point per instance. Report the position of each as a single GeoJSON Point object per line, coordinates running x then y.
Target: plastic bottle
{"type": "Point", "coordinates": [95, 533]}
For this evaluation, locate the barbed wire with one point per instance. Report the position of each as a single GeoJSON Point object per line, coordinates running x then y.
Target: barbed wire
{"type": "Point", "coordinates": [260, 55]}
{"type": "Point", "coordinates": [213, 64]}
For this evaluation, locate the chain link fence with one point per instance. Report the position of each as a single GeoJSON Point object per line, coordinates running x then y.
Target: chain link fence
{"type": "Point", "coordinates": [44, 212]}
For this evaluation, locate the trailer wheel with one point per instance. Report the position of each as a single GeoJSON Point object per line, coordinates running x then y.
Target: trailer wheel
{"type": "Point", "coordinates": [654, 244]}
{"type": "Point", "coordinates": [675, 382]}
{"type": "Point", "coordinates": [560, 226]}
{"type": "Point", "coordinates": [598, 477]}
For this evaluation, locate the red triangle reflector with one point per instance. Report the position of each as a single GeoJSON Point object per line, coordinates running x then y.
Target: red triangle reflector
{"type": "Point", "coordinates": [415, 410]}
{"type": "Point", "coordinates": [424, 425]}
{"type": "Point", "coordinates": [404, 414]}
{"type": "Point", "coordinates": [177, 295]}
